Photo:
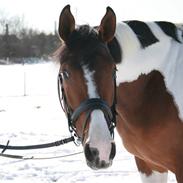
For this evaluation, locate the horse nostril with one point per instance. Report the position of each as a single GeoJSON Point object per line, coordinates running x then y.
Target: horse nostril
{"type": "Point", "coordinates": [88, 153]}
{"type": "Point", "coordinates": [113, 151]}
{"type": "Point", "coordinates": [91, 154]}
{"type": "Point", "coordinates": [103, 164]}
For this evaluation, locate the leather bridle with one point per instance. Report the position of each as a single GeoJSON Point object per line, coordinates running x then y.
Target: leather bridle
{"type": "Point", "coordinates": [87, 106]}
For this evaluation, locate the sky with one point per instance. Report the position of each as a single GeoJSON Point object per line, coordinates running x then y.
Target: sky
{"type": "Point", "coordinates": [41, 14]}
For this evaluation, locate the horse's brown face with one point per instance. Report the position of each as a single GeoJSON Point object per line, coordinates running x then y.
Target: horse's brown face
{"type": "Point", "coordinates": [87, 71]}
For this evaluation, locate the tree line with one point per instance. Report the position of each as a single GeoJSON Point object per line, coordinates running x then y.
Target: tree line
{"type": "Point", "coordinates": [17, 41]}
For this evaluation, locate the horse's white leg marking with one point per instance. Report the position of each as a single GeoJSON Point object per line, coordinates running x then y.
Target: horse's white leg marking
{"type": "Point", "coordinates": [155, 177]}
{"type": "Point", "coordinates": [165, 56]}
{"type": "Point", "coordinates": [99, 136]}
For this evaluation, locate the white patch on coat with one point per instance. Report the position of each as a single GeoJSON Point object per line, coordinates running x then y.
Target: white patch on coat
{"type": "Point", "coordinates": [99, 136]}
{"type": "Point", "coordinates": [155, 177]}
{"type": "Point", "coordinates": [165, 56]}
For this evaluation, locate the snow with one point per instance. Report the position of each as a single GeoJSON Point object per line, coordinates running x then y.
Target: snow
{"type": "Point", "coordinates": [37, 118]}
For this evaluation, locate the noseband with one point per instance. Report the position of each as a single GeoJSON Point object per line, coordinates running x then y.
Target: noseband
{"type": "Point", "coordinates": [87, 106]}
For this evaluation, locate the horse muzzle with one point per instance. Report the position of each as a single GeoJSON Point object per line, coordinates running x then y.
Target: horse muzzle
{"type": "Point", "coordinates": [93, 157]}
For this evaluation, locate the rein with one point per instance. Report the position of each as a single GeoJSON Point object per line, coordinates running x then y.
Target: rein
{"type": "Point", "coordinates": [38, 146]}
{"type": "Point", "coordinates": [37, 158]}
{"type": "Point", "coordinates": [31, 147]}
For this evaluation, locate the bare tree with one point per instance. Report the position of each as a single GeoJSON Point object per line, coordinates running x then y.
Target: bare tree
{"type": "Point", "coordinates": [18, 41]}
{"type": "Point", "coordinates": [15, 23]}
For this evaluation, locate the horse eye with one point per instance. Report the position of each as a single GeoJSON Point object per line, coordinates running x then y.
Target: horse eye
{"type": "Point", "coordinates": [65, 74]}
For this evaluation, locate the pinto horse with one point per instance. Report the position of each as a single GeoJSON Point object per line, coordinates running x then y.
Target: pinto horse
{"type": "Point", "coordinates": [129, 75]}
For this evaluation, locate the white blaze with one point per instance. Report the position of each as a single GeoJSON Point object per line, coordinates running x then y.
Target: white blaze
{"type": "Point", "coordinates": [99, 136]}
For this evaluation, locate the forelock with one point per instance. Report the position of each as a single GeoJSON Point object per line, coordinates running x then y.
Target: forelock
{"type": "Point", "coordinates": [82, 47]}
{"type": "Point", "coordinates": [83, 38]}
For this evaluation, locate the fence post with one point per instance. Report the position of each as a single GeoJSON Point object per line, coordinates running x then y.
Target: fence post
{"type": "Point", "coordinates": [24, 94]}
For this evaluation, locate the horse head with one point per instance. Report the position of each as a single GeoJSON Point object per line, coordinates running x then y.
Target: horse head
{"type": "Point", "coordinates": [87, 76]}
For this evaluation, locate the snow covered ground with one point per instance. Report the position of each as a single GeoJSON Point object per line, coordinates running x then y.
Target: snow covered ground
{"type": "Point", "coordinates": [38, 118]}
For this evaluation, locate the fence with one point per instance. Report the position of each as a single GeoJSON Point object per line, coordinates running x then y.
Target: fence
{"type": "Point", "coordinates": [28, 79]}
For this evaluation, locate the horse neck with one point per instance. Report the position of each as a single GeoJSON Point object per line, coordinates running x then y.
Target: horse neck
{"type": "Point", "coordinates": [164, 56]}
{"type": "Point", "coordinates": [142, 69]}
{"type": "Point", "coordinates": [133, 95]}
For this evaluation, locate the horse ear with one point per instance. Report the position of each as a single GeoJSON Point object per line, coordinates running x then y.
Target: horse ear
{"type": "Point", "coordinates": [66, 23]}
{"type": "Point", "coordinates": [108, 25]}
